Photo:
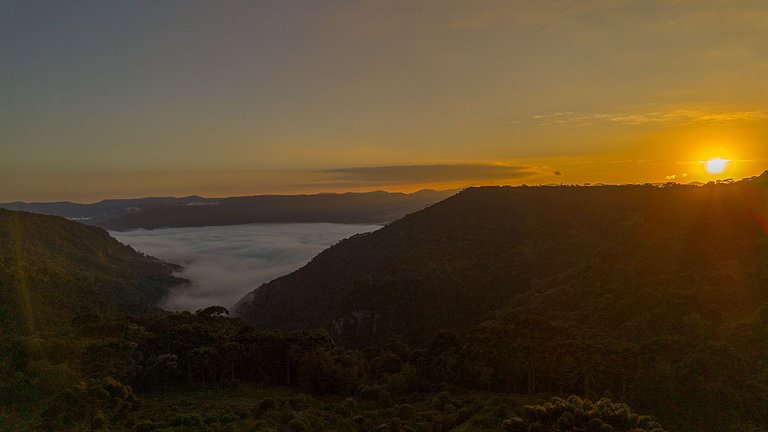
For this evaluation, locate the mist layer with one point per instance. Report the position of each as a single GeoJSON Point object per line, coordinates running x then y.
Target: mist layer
{"type": "Point", "coordinates": [226, 262]}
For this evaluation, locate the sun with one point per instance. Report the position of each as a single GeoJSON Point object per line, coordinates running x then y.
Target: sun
{"type": "Point", "coordinates": [716, 165]}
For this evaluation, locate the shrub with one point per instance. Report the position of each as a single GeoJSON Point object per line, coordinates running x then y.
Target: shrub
{"type": "Point", "coordinates": [349, 406]}
{"type": "Point", "coordinates": [436, 404]}
{"type": "Point", "coordinates": [146, 426]}
{"type": "Point", "coordinates": [574, 400]}
{"type": "Point", "coordinates": [395, 424]}
{"type": "Point", "coordinates": [594, 425]}
{"type": "Point", "coordinates": [187, 419]}
{"type": "Point", "coordinates": [566, 421]}
{"type": "Point", "coordinates": [228, 417]}
{"type": "Point", "coordinates": [529, 411]}
{"type": "Point", "coordinates": [362, 388]}
{"type": "Point", "coordinates": [406, 411]}
{"type": "Point", "coordinates": [298, 424]}
{"type": "Point", "coordinates": [301, 401]}
{"type": "Point", "coordinates": [580, 416]}
{"type": "Point", "coordinates": [514, 424]}
{"type": "Point", "coordinates": [644, 421]}
{"type": "Point", "coordinates": [266, 404]}
{"type": "Point", "coordinates": [465, 413]}
{"type": "Point", "coordinates": [385, 399]}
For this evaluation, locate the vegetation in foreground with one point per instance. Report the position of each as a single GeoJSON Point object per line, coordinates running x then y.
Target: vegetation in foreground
{"type": "Point", "coordinates": [207, 372]}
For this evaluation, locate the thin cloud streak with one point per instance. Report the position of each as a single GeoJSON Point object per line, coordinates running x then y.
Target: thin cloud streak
{"type": "Point", "coordinates": [680, 117]}
{"type": "Point", "coordinates": [437, 173]}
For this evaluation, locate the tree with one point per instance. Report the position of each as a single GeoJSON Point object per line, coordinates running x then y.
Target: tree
{"type": "Point", "coordinates": [212, 311]}
{"type": "Point", "coordinates": [232, 356]}
{"type": "Point", "coordinates": [163, 368]}
{"type": "Point", "coordinates": [202, 363]}
{"type": "Point", "coordinates": [117, 358]}
{"type": "Point", "coordinates": [94, 404]}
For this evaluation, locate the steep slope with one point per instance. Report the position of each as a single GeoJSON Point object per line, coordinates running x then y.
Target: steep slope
{"type": "Point", "coordinates": [52, 269]}
{"type": "Point", "coordinates": [369, 207]}
{"type": "Point", "coordinates": [612, 255]}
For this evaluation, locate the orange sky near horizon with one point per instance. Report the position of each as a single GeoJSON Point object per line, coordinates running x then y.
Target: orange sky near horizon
{"type": "Point", "coordinates": [119, 100]}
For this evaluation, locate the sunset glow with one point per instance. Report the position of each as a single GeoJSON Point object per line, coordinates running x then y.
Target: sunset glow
{"type": "Point", "coordinates": [304, 97]}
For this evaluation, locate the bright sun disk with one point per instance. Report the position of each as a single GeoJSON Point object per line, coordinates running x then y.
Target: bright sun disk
{"type": "Point", "coordinates": [716, 165]}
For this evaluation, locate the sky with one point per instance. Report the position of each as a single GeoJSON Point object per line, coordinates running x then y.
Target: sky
{"type": "Point", "coordinates": [127, 99]}
{"type": "Point", "coordinates": [224, 263]}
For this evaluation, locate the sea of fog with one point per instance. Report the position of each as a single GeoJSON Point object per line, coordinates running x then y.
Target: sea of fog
{"type": "Point", "coordinates": [226, 262]}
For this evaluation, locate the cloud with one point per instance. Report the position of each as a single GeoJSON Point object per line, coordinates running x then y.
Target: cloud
{"type": "Point", "coordinates": [226, 262]}
{"type": "Point", "coordinates": [655, 117]}
{"type": "Point", "coordinates": [687, 116]}
{"type": "Point", "coordinates": [437, 173]}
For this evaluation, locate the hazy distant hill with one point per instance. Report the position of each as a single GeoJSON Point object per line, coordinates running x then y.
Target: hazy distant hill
{"type": "Point", "coordinates": [52, 269]}
{"type": "Point", "coordinates": [616, 258]}
{"type": "Point", "coordinates": [370, 207]}
{"type": "Point", "coordinates": [102, 210]}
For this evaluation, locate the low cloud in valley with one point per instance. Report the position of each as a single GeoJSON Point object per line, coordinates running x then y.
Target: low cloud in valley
{"type": "Point", "coordinates": [226, 262]}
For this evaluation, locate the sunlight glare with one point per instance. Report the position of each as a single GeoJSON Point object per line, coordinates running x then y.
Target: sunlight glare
{"type": "Point", "coordinates": [716, 165]}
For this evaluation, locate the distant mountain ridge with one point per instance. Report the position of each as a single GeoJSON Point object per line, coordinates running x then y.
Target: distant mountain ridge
{"type": "Point", "coordinates": [540, 250]}
{"type": "Point", "coordinates": [99, 211]}
{"type": "Point", "coordinates": [52, 269]}
{"type": "Point", "coordinates": [364, 207]}
{"type": "Point", "coordinates": [196, 211]}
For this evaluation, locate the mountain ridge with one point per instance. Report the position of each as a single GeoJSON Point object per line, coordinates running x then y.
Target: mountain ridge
{"type": "Point", "coordinates": [459, 261]}
{"type": "Point", "coordinates": [195, 211]}
{"type": "Point", "coordinates": [350, 207]}
{"type": "Point", "coordinates": [100, 210]}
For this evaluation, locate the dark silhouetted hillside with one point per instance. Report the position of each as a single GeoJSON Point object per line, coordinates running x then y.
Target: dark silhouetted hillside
{"type": "Point", "coordinates": [656, 295]}
{"type": "Point", "coordinates": [369, 207]}
{"type": "Point", "coordinates": [52, 269]}
{"type": "Point", "coordinates": [610, 257]}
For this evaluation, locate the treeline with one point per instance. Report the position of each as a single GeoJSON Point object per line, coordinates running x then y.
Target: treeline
{"type": "Point", "coordinates": [688, 382]}
{"type": "Point", "coordinates": [94, 376]}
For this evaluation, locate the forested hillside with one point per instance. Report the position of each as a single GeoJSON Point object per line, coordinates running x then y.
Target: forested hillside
{"type": "Point", "coordinates": [608, 256]}
{"type": "Point", "coordinates": [656, 294]}
{"type": "Point", "coordinates": [52, 269]}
